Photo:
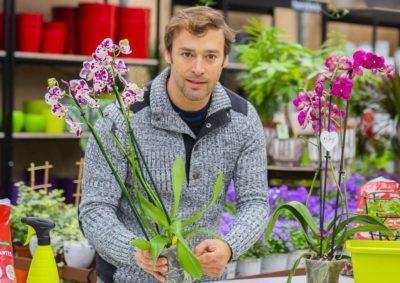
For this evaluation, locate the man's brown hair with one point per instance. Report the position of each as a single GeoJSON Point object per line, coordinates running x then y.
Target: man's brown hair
{"type": "Point", "coordinates": [197, 21]}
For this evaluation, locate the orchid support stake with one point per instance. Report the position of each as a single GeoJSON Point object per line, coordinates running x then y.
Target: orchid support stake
{"type": "Point", "coordinates": [341, 173]}
{"type": "Point", "coordinates": [327, 157]}
{"type": "Point", "coordinates": [321, 222]}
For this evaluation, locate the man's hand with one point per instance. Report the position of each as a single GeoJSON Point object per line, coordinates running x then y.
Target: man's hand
{"type": "Point", "coordinates": [143, 259]}
{"type": "Point", "coordinates": [213, 256]}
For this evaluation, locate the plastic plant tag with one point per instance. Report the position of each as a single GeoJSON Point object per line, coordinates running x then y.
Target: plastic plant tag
{"type": "Point", "coordinates": [282, 131]}
{"type": "Point", "coordinates": [329, 140]}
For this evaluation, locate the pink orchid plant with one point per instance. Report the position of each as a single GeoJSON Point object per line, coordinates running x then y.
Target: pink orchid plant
{"type": "Point", "coordinates": [322, 108]}
{"type": "Point", "coordinates": [104, 73]}
{"type": "Point", "coordinates": [336, 81]}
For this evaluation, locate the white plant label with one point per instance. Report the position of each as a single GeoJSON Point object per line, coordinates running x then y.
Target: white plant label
{"type": "Point", "coordinates": [329, 140]}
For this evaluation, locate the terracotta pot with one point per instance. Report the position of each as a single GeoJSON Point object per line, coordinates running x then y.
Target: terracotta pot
{"type": "Point", "coordinates": [22, 251]}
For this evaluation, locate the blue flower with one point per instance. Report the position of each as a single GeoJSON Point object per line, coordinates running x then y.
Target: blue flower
{"type": "Point", "coordinates": [231, 192]}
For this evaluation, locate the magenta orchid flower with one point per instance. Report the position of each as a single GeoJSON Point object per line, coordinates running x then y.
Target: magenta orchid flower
{"type": "Point", "coordinates": [336, 81]}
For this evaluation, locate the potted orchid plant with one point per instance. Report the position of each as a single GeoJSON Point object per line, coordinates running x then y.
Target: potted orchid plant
{"type": "Point", "coordinates": [164, 233]}
{"type": "Point", "coordinates": [326, 109]}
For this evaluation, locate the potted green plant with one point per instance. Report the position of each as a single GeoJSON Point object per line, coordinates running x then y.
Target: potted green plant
{"type": "Point", "coordinates": [277, 248]}
{"type": "Point", "coordinates": [276, 72]}
{"type": "Point", "coordinates": [37, 203]}
{"type": "Point", "coordinates": [322, 107]}
{"type": "Point", "coordinates": [249, 263]}
{"type": "Point", "coordinates": [78, 252]}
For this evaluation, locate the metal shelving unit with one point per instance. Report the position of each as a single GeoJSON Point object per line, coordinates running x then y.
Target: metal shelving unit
{"type": "Point", "coordinates": [10, 59]}
{"type": "Point", "coordinates": [66, 59]}
{"type": "Point", "coordinates": [375, 17]}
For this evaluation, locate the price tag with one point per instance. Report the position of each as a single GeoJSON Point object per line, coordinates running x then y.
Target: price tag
{"type": "Point", "coordinates": [329, 140]}
{"type": "Point", "coordinates": [282, 131]}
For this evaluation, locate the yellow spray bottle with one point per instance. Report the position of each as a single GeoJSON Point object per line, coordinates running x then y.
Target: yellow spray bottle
{"type": "Point", "coordinates": [43, 267]}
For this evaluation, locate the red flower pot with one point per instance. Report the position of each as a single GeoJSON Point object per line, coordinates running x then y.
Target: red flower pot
{"type": "Point", "coordinates": [95, 22]}
{"type": "Point", "coordinates": [1, 31]}
{"type": "Point", "coordinates": [54, 37]}
{"type": "Point", "coordinates": [134, 24]}
{"type": "Point", "coordinates": [68, 15]}
{"type": "Point", "coordinates": [29, 32]}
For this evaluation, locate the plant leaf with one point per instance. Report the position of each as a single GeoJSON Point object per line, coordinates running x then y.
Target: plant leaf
{"type": "Point", "coordinates": [217, 192]}
{"type": "Point", "coordinates": [185, 255]}
{"type": "Point", "coordinates": [178, 178]}
{"type": "Point", "coordinates": [295, 265]}
{"type": "Point", "coordinates": [153, 212]}
{"type": "Point", "coordinates": [142, 244]}
{"type": "Point", "coordinates": [302, 215]}
{"type": "Point", "coordinates": [187, 259]}
{"type": "Point", "coordinates": [363, 228]}
{"type": "Point", "coordinates": [157, 245]}
{"type": "Point", "coordinates": [361, 219]}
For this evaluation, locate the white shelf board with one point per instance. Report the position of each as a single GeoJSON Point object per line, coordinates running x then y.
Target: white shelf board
{"type": "Point", "coordinates": [70, 58]}
{"type": "Point", "coordinates": [42, 136]}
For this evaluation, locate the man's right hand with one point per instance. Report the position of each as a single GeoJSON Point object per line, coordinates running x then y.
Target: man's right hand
{"type": "Point", "coordinates": [143, 259]}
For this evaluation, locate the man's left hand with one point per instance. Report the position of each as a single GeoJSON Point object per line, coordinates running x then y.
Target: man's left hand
{"type": "Point", "coordinates": [213, 256]}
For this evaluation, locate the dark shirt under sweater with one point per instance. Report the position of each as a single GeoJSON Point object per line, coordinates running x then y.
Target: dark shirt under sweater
{"type": "Point", "coordinates": [195, 121]}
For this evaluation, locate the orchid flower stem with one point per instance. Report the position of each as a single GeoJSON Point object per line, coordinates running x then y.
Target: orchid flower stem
{"type": "Point", "coordinates": [327, 157]}
{"type": "Point", "coordinates": [132, 164]}
{"type": "Point", "coordinates": [312, 185]}
{"type": "Point", "coordinates": [134, 148]}
{"type": "Point", "coordinates": [341, 173]}
{"type": "Point", "coordinates": [137, 146]}
{"type": "Point", "coordinates": [321, 222]}
{"type": "Point", "coordinates": [113, 169]}
{"type": "Point", "coordinates": [132, 158]}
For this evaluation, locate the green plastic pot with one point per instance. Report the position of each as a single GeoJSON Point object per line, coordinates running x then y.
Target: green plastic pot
{"type": "Point", "coordinates": [54, 125]}
{"type": "Point", "coordinates": [35, 123]}
{"type": "Point", "coordinates": [35, 106]}
{"type": "Point", "coordinates": [375, 261]}
{"type": "Point", "coordinates": [18, 119]}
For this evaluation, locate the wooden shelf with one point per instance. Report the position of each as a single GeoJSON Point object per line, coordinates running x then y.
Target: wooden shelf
{"type": "Point", "coordinates": [34, 57]}
{"type": "Point", "coordinates": [65, 272]}
{"type": "Point", "coordinates": [42, 136]}
{"type": "Point", "coordinates": [236, 67]}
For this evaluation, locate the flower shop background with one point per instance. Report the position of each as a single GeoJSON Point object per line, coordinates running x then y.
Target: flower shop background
{"type": "Point", "coordinates": [372, 154]}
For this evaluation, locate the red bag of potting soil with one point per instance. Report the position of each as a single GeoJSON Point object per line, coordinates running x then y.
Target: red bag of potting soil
{"type": "Point", "coordinates": [378, 188]}
{"type": "Point", "coordinates": [7, 274]}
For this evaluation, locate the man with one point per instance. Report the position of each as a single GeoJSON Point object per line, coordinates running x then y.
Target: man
{"type": "Point", "coordinates": [186, 113]}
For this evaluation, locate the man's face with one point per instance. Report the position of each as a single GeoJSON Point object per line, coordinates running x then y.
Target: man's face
{"type": "Point", "coordinates": [196, 63]}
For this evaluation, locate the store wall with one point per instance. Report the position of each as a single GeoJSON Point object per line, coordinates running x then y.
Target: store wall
{"type": "Point", "coordinates": [31, 79]}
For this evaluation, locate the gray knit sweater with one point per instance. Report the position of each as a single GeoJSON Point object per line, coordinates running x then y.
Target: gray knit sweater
{"type": "Point", "coordinates": [231, 141]}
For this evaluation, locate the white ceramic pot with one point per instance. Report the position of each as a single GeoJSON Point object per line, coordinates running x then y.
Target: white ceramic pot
{"type": "Point", "coordinates": [78, 254]}
{"type": "Point", "coordinates": [286, 152]}
{"type": "Point", "coordinates": [56, 244]}
{"type": "Point", "coordinates": [274, 262]}
{"type": "Point", "coordinates": [294, 256]}
{"type": "Point", "coordinates": [231, 270]}
{"type": "Point", "coordinates": [248, 267]}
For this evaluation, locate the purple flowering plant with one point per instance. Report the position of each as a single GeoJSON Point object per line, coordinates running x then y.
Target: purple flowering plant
{"type": "Point", "coordinates": [326, 108]}
{"type": "Point", "coordinates": [161, 229]}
